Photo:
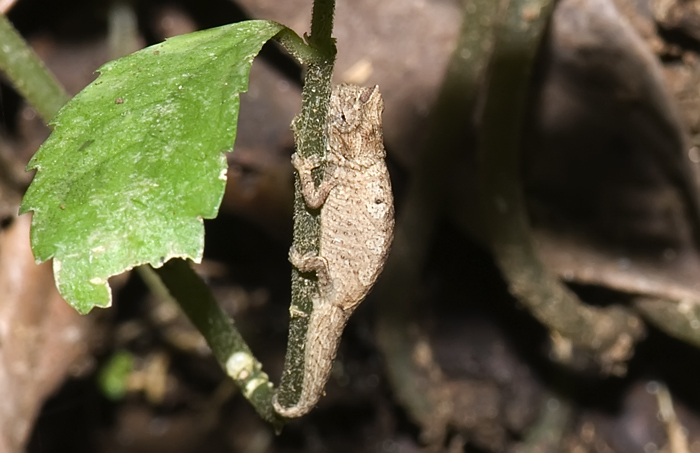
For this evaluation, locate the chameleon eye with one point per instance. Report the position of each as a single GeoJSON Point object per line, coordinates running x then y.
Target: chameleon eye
{"type": "Point", "coordinates": [366, 94]}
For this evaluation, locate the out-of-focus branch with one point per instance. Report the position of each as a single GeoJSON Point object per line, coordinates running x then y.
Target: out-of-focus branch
{"type": "Point", "coordinates": [397, 291]}
{"type": "Point", "coordinates": [610, 334]}
{"type": "Point", "coordinates": [28, 74]}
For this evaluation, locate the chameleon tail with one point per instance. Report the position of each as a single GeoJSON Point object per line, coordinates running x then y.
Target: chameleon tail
{"type": "Point", "coordinates": [325, 329]}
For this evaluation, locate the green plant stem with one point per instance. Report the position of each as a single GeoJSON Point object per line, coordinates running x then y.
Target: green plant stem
{"type": "Point", "coordinates": [227, 344]}
{"type": "Point", "coordinates": [609, 334]}
{"type": "Point", "coordinates": [28, 74]}
{"type": "Point", "coordinates": [311, 137]}
{"type": "Point", "coordinates": [322, 27]}
{"type": "Point", "coordinates": [295, 45]}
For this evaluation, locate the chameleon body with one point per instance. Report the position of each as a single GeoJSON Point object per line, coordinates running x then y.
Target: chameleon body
{"type": "Point", "coordinates": [357, 224]}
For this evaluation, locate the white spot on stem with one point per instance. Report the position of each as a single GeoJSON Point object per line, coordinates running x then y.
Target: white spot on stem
{"type": "Point", "coordinates": [240, 365]}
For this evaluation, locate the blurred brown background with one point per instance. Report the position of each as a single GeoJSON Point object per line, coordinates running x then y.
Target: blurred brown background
{"type": "Point", "coordinates": [612, 137]}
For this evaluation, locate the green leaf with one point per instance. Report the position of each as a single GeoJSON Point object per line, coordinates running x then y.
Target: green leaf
{"type": "Point", "coordinates": [136, 159]}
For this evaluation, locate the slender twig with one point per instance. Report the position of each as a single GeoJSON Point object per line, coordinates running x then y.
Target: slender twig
{"type": "Point", "coordinates": [679, 318]}
{"type": "Point", "coordinates": [322, 27]}
{"type": "Point", "coordinates": [227, 344]}
{"type": "Point", "coordinates": [397, 290]}
{"type": "Point", "coordinates": [608, 333]}
{"type": "Point", "coordinates": [28, 74]}
{"type": "Point", "coordinates": [296, 46]}
{"type": "Point", "coordinates": [123, 33]}
{"type": "Point", "coordinates": [676, 433]}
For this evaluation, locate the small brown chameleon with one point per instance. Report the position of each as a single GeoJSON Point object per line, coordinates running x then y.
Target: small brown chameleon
{"type": "Point", "coordinates": [357, 225]}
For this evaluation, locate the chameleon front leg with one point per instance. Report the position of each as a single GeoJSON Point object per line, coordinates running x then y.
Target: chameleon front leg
{"type": "Point", "coordinates": [313, 196]}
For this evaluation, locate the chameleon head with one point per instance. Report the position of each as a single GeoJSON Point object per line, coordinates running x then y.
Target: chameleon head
{"type": "Point", "coordinates": [356, 112]}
